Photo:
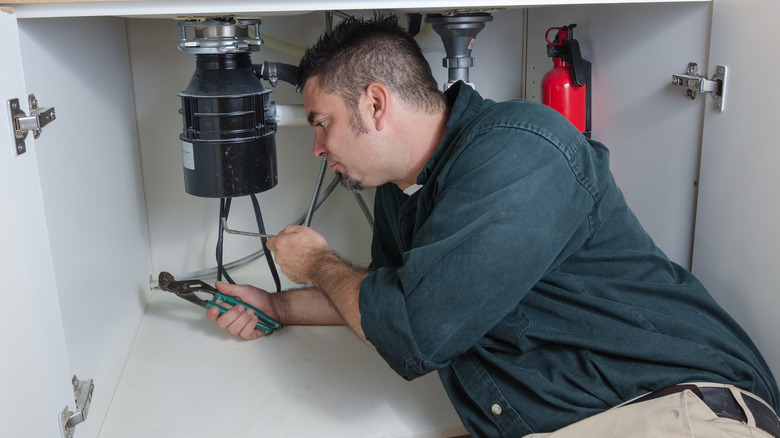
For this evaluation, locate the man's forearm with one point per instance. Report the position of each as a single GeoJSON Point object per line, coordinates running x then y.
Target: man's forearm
{"type": "Point", "coordinates": [305, 258]}
{"type": "Point", "coordinates": [340, 283]}
{"type": "Point", "coordinates": [306, 306]}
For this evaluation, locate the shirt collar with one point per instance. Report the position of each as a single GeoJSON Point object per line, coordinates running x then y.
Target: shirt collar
{"type": "Point", "coordinates": [464, 103]}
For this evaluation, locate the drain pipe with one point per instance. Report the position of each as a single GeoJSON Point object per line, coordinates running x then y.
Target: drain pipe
{"type": "Point", "coordinates": [457, 32]}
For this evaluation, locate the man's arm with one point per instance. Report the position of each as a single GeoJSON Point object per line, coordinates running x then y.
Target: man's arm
{"type": "Point", "coordinates": [307, 306]}
{"type": "Point", "coordinates": [305, 258]}
{"type": "Point", "coordinates": [340, 282]}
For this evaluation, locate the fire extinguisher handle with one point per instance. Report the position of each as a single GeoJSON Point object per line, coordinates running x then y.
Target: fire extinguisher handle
{"type": "Point", "coordinates": [578, 64]}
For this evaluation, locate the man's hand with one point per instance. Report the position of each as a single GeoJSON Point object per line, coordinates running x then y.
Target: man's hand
{"type": "Point", "coordinates": [305, 258]}
{"type": "Point", "coordinates": [296, 249]}
{"type": "Point", "coordinates": [239, 320]}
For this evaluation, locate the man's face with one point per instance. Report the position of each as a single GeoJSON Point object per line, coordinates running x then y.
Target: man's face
{"type": "Point", "coordinates": [342, 135]}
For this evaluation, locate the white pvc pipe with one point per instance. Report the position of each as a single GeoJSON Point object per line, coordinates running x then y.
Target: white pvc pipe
{"type": "Point", "coordinates": [291, 115]}
{"type": "Point", "coordinates": [282, 46]}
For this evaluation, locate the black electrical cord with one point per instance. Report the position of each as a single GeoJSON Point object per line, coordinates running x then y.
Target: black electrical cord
{"type": "Point", "coordinates": [256, 255]}
{"type": "Point", "coordinates": [219, 239]}
{"type": "Point", "coordinates": [261, 230]}
{"type": "Point", "coordinates": [224, 211]}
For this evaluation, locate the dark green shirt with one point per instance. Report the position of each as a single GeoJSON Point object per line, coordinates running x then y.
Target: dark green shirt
{"type": "Point", "coordinates": [519, 273]}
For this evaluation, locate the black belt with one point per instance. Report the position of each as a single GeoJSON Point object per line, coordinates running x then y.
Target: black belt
{"type": "Point", "coordinates": [722, 402]}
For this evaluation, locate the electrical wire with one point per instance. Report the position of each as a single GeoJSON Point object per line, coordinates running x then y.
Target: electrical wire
{"type": "Point", "coordinates": [224, 211]}
{"type": "Point", "coordinates": [317, 186]}
{"type": "Point", "coordinates": [263, 240]}
{"type": "Point", "coordinates": [366, 212]}
{"type": "Point", "coordinates": [256, 255]}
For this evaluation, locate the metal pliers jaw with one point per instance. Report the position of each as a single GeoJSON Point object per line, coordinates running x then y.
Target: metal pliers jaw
{"type": "Point", "coordinates": [187, 289]}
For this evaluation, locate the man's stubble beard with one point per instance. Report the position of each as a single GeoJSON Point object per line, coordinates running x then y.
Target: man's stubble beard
{"type": "Point", "coordinates": [351, 184]}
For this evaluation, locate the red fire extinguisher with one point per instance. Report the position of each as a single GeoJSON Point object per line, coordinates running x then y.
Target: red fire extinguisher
{"type": "Point", "coordinates": [566, 87]}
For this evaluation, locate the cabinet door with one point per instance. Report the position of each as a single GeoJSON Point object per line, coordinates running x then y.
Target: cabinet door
{"type": "Point", "coordinates": [737, 234]}
{"type": "Point", "coordinates": [91, 185]}
{"type": "Point", "coordinates": [34, 370]}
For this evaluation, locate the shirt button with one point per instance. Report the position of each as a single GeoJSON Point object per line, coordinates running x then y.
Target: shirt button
{"type": "Point", "coordinates": [496, 409]}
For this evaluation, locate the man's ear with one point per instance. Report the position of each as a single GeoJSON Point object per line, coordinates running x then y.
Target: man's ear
{"type": "Point", "coordinates": [378, 96]}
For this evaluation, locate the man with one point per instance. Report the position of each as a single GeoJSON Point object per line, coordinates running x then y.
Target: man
{"type": "Point", "coordinates": [505, 258]}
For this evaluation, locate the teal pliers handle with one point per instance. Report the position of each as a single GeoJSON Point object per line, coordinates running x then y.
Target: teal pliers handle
{"type": "Point", "coordinates": [187, 289]}
{"type": "Point", "coordinates": [266, 323]}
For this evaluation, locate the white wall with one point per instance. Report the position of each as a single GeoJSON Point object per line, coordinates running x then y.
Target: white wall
{"type": "Point", "coordinates": [182, 227]}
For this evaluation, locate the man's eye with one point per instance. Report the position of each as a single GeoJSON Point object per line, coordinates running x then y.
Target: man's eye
{"type": "Point", "coordinates": [320, 124]}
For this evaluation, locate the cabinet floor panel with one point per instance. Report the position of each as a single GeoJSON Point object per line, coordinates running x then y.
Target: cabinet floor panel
{"type": "Point", "coordinates": [186, 377]}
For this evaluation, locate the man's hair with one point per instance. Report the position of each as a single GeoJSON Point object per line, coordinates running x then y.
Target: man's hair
{"type": "Point", "coordinates": [361, 51]}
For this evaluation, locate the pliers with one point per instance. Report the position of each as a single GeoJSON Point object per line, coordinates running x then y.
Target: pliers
{"type": "Point", "coordinates": [187, 289]}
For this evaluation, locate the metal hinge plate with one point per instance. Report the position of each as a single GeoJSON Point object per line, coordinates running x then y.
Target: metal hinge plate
{"type": "Point", "coordinates": [82, 393]}
{"type": "Point", "coordinates": [694, 83]}
{"type": "Point", "coordinates": [22, 123]}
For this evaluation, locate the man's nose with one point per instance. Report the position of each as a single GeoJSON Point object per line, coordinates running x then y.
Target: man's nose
{"type": "Point", "coordinates": [319, 148]}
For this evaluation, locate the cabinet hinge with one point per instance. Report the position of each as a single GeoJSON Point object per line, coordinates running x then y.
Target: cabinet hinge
{"type": "Point", "coordinates": [22, 123]}
{"type": "Point", "coordinates": [694, 83]}
{"type": "Point", "coordinates": [82, 393]}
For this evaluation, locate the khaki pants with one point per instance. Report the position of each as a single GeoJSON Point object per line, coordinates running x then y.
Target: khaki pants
{"type": "Point", "coordinates": [676, 415]}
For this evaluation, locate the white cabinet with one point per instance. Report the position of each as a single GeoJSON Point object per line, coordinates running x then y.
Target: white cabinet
{"type": "Point", "coordinates": [34, 364]}
{"type": "Point", "coordinates": [97, 206]}
{"type": "Point", "coordinates": [91, 184]}
{"type": "Point", "coordinates": [737, 236]}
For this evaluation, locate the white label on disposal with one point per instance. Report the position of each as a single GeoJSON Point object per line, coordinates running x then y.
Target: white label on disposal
{"type": "Point", "coordinates": [187, 157]}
